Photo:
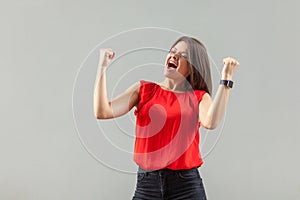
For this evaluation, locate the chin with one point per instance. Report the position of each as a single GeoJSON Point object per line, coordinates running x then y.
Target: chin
{"type": "Point", "coordinates": [169, 75]}
{"type": "Point", "coordinates": [174, 76]}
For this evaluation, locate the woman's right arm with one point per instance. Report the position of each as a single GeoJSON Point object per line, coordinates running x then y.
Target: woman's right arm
{"type": "Point", "coordinates": [104, 109]}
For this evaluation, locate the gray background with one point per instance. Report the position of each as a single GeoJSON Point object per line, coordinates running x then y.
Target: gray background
{"type": "Point", "coordinates": [44, 42]}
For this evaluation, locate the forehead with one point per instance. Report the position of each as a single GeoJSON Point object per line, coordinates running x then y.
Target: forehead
{"type": "Point", "coordinates": [181, 46]}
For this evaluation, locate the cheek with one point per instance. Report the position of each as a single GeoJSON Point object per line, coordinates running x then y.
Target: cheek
{"type": "Point", "coordinates": [184, 67]}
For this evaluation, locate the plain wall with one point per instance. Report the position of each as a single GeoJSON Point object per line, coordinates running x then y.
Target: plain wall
{"type": "Point", "coordinates": [44, 43]}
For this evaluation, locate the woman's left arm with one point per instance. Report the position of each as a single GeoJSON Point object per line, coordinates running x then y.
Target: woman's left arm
{"type": "Point", "coordinates": [212, 111]}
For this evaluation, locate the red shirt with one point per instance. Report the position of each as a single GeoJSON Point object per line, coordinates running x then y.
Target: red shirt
{"type": "Point", "coordinates": [167, 128]}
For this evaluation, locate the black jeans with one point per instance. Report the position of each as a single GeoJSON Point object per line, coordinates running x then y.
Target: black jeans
{"type": "Point", "coordinates": [169, 185]}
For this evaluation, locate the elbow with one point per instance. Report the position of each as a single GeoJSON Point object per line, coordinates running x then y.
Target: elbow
{"type": "Point", "coordinates": [101, 112]}
{"type": "Point", "coordinates": [101, 116]}
{"type": "Point", "coordinates": [98, 116]}
{"type": "Point", "coordinates": [210, 126]}
{"type": "Point", "coordinates": [210, 123]}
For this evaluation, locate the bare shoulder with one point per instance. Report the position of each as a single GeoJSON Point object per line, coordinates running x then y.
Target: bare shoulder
{"type": "Point", "coordinates": [136, 86]}
{"type": "Point", "coordinates": [206, 97]}
{"type": "Point", "coordinates": [205, 101]}
{"type": "Point", "coordinates": [134, 89]}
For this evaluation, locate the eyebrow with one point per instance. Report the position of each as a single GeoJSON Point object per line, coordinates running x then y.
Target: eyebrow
{"type": "Point", "coordinates": [180, 52]}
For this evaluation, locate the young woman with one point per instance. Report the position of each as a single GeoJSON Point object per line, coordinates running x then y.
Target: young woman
{"type": "Point", "coordinates": [168, 118]}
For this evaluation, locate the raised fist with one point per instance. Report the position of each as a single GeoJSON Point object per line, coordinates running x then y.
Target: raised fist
{"type": "Point", "coordinates": [230, 65]}
{"type": "Point", "coordinates": [106, 55]}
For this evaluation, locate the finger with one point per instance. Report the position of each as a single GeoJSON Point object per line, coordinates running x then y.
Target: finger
{"type": "Point", "coordinates": [109, 53]}
{"type": "Point", "coordinates": [224, 60]}
{"type": "Point", "coordinates": [112, 55]}
{"type": "Point", "coordinates": [105, 52]}
{"type": "Point", "coordinates": [235, 62]}
{"type": "Point", "coordinates": [227, 60]}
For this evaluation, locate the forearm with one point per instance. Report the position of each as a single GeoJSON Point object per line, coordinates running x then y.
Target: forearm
{"type": "Point", "coordinates": [217, 109]}
{"type": "Point", "coordinates": [101, 103]}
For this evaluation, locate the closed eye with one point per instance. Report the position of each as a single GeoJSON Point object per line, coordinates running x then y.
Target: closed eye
{"type": "Point", "coordinates": [181, 54]}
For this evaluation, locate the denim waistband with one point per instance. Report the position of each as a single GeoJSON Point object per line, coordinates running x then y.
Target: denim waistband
{"type": "Point", "coordinates": [141, 170]}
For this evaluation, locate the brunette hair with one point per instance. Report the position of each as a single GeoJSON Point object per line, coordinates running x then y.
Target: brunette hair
{"type": "Point", "coordinates": [200, 76]}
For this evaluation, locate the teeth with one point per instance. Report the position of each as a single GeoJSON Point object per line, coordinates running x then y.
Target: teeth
{"type": "Point", "coordinates": [172, 64]}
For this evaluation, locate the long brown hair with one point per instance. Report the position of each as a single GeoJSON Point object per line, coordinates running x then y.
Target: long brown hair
{"type": "Point", "coordinates": [200, 75]}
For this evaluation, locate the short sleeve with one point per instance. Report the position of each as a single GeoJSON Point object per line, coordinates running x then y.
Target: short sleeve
{"type": "Point", "coordinates": [146, 92]}
{"type": "Point", "coordinates": [199, 94]}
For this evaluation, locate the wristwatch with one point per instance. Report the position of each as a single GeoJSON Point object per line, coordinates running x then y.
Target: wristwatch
{"type": "Point", "coordinates": [227, 83]}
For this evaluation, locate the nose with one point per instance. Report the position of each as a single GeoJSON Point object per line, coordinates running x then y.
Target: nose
{"type": "Point", "coordinates": [174, 55]}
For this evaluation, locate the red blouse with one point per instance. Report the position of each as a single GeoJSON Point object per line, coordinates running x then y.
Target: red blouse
{"type": "Point", "coordinates": [167, 128]}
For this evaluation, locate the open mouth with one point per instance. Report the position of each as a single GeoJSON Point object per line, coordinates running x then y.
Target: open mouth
{"type": "Point", "coordinates": [171, 65]}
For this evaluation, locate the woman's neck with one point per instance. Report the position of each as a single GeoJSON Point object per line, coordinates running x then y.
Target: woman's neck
{"type": "Point", "coordinates": [172, 85]}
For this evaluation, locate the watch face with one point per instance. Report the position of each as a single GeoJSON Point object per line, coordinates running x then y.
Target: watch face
{"type": "Point", "coordinates": [226, 83]}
